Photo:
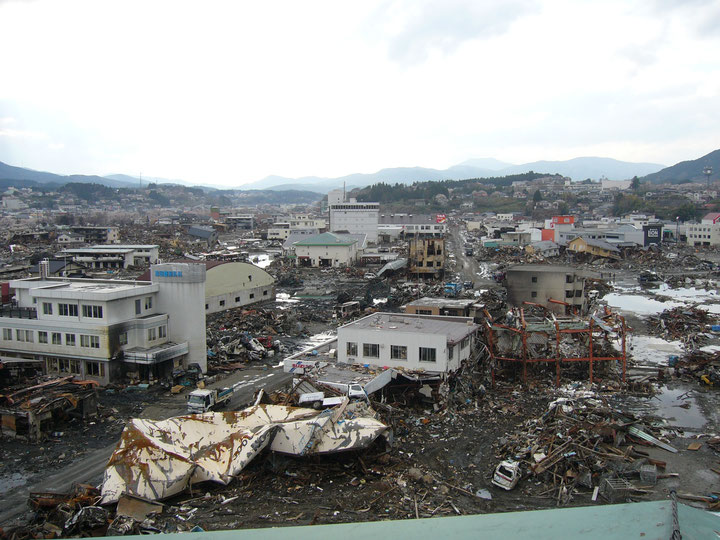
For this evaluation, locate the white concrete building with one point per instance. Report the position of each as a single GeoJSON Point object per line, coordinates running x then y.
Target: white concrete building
{"type": "Point", "coordinates": [327, 249]}
{"type": "Point", "coordinates": [100, 329]}
{"type": "Point", "coordinates": [354, 217]}
{"type": "Point", "coordinates": [706, 233]}
{"type": "Point", "coordinates": [400, 340]}
{"type": "Point", "coordinates": [395, 225]}
{"type": "Point", "coordinates": [113, 256]}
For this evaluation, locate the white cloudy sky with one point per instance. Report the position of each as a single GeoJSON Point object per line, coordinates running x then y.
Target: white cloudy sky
{"type": "Point", "coordinates": [228, 92]}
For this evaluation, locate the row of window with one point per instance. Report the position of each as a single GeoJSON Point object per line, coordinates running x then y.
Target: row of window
{"type": "Point", "coordinates": [56, 338]}
{"type": "Point", "coordinates": [72, 365]}
{"type": "Point", "coordinates": [568, 294]}
{"type": "Point", "coordinates": [237, 298]}
{"type": "Point", "coordinates": [399, 352]}
{"type": "Point", "coordinates": [71, 310]}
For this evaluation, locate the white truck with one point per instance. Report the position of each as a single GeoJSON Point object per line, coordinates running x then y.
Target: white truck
{"type": "Point", "coordinates": [204, 399]}
{"type": "Point", "coordinates": [318, 399]}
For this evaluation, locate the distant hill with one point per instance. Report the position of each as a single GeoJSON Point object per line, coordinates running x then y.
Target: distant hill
{"type": "Point", "coordinates": [20, 174]}
{"type": "Point", "coordinates": [577, 169]}
{"type": "Point", "coordinates": [687, 171]}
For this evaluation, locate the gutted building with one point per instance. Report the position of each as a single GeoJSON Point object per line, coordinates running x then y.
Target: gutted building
{"type": "Point", "coordinates": [549, 285]}
{"type": "Point", "coordinates": [427, 257]}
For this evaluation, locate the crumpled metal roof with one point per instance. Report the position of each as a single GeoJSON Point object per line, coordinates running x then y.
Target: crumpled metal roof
{"type": "Point", "coordinates": [159, 459]}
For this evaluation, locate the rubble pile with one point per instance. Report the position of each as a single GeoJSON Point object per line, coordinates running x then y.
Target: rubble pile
{"type": "Point", "coordinates": [700, 366]}
{"type": "Point", "coordinates": [581, 445]}
{"type": "Point", "coordinates": [689, 324]}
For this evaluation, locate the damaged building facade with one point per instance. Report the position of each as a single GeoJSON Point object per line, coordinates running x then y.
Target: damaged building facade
{"type": "Point", "coordinates": [559, 287]}
{"type": "Point", "coordinates": [100, 329]}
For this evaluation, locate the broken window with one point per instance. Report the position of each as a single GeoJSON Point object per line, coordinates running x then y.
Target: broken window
{"type": "Point", "coordinates": [352, 348]}
{"type": "Point", "coordinates": [427, 354]}
{"type": "Point", "coordinates": [371, 350]}
{"type": "Point", "coordinates": [398, 352]}
{"type": "Point", "coordinates": [95, 369]}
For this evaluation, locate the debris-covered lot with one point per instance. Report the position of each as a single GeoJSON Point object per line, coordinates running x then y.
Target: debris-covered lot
{"type": "Point", "coordinates": [567, 444]}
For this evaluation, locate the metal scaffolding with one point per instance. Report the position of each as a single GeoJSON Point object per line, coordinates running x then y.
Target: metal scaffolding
{"type": "Point", "coordinates": [540, 336]}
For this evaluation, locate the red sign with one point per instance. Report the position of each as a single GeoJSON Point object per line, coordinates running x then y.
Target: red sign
{"type": "Point", "coordinates": [440, 218]}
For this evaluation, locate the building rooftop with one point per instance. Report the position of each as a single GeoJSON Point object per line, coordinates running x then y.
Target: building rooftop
{"type": "Point", "coordinates": [550, 268]}
{"type": "Point", "coordinates": [454, 328]}
{"type": "Point", "coordinates": [90, 289]}
{"type": "Point", "coordinates": [327, 239]}
{"type": "Point", "coordinates": [408, 219]}
{"type": "Point", "coordinates": [443, 302]}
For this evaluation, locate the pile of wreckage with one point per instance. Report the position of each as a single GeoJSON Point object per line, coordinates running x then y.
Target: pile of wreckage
{"type": "Point", "coordinates": [696, 365]}
{"type": "Point", "coordinates": [29, 413]}
{"type": "Point", "coordinates": [690, 324]}
{"type": "Point", "coordinates": [582, 445]}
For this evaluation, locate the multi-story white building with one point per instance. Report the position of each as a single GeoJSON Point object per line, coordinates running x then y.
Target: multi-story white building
{"type": "Point", "coordinates": [100, 329]}
{"type": "Point", "coordinates": [706, 233]}
{"type": "Point", "coordinates": [354, 217]}
{"type": "Point", "coordinates": [114, 256]}
{"type": "Point", "coordinates": [412, 224]}
{"type": "Point", "coordinates": [400, 340]}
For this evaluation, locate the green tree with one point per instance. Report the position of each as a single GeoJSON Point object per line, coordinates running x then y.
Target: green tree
{"type": "Point", "coordinates": [635, 183]}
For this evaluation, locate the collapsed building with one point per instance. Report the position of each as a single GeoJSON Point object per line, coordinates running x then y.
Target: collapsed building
{"type": "Point", "coordinates": [30, 413]}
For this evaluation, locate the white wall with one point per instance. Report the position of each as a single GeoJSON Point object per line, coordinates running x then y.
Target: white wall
{"type": "Point", "coordinates": [413, 342]}
{"type": "Point", "coordinates": [183, 297]}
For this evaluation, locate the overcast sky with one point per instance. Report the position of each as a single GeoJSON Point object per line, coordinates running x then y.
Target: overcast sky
{"type": "Point", "coordinates": [229, 92]}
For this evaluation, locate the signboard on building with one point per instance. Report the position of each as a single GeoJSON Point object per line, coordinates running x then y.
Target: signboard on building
{"type": "Point", "coordinates": [440, 218]}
